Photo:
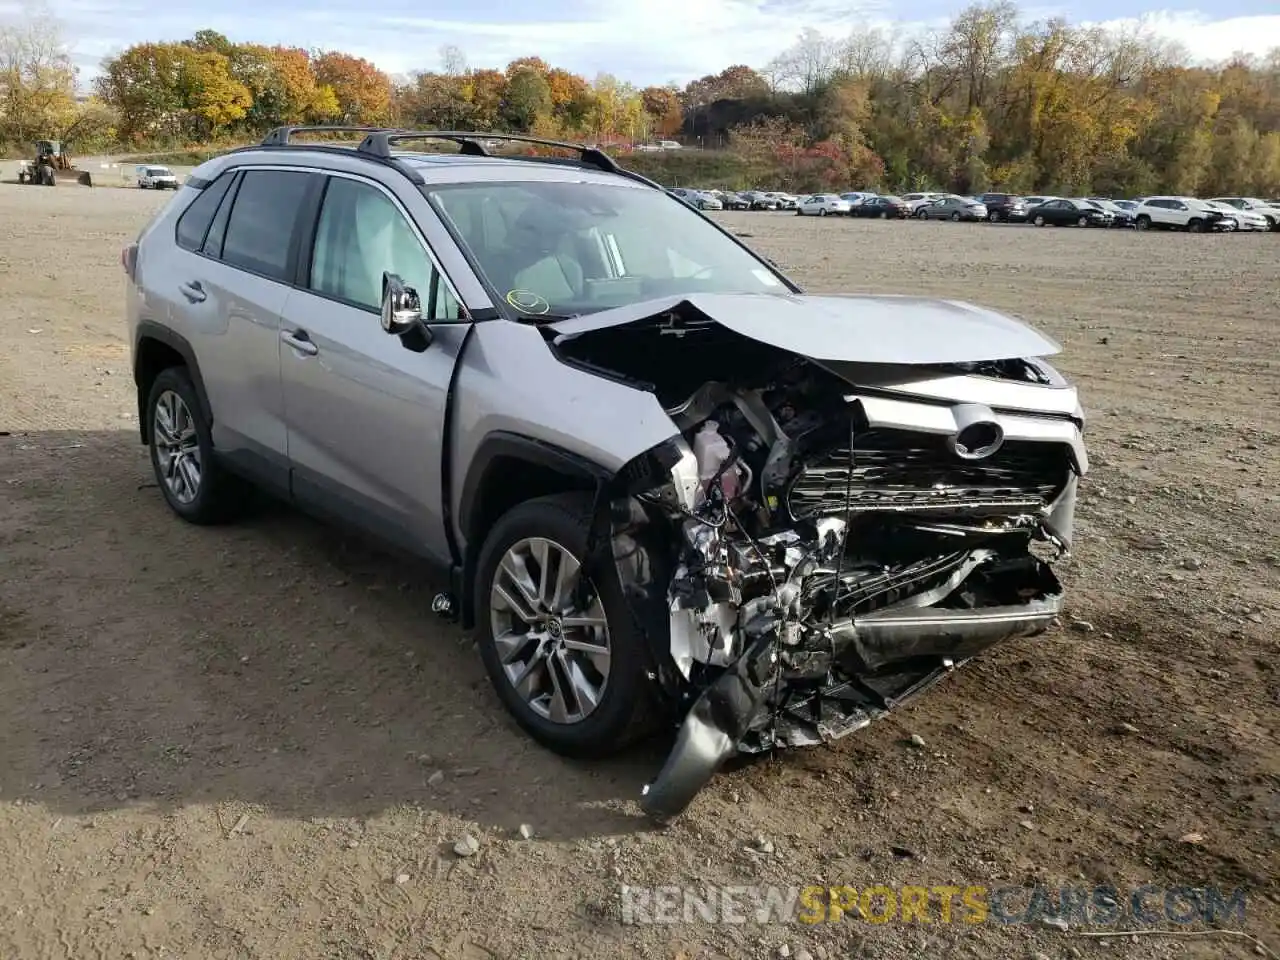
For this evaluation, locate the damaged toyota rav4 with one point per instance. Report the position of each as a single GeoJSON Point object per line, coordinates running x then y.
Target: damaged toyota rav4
{"type": "Point", "coordinates": [672, 489]}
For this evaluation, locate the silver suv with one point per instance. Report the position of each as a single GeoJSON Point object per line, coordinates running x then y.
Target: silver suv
{"type": "Point", "coordinates": [670, 487]}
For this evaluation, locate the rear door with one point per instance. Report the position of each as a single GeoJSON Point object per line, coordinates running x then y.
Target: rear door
{"type": "Point", "coordinates": [232, 280]}
{"type": "Point", "coordinates": [366, 410]}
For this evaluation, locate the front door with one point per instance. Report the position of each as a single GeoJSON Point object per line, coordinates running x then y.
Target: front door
{"type": "Point", "coordinates": [365, 411]}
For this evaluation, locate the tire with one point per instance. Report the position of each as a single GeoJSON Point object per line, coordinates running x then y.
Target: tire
{"type": "Point", "coordinates": [993, 216]}
{"type": "Point", "coordinates": [884, 214]}
{"type": "Point", "coordinates": [1195, 225]}
{"type": "Point", "coordinates": [822, 211]}
{"type": "Point", "coordinates": [955, 218]}
{"type": "Point", "coordinates": [922, 215]}
{"type": "Point", "coordinates": [625, 709]}
{"type": "Point", "coordinates": [1144, 222]}
{"type": "Point", "coordinates": [1082, 221]}
{"type": "Point", "coordinates": [219, 496]}
{"type": "Point", "coordinates": [1039, 221]}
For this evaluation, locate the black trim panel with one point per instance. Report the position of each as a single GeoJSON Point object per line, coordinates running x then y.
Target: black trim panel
{"type": "Point", "coordinates": [497, 446]}
{"type": "Point", "coordinates": [500, 444]}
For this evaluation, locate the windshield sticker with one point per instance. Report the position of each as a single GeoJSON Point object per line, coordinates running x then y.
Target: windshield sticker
{"type": "Point", "coordinates": [526, 301]}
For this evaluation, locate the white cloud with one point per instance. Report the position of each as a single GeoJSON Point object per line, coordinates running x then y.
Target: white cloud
{"type": "Point", "coordinates": [1206, 38]}
{"type": "Point", "coordinates": [651, 42]}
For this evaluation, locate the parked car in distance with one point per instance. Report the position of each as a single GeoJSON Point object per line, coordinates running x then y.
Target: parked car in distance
{"type": "Point", "coordinates": [1269, 211]}
{"type": "Point", "coordinates": [1004, 207]}
{"type": "Point", "coordinates": [732, 201]}
{"type": "Point", "coordinates": [1122, 210]}
{"type": "Point", "coordinates": [913, 200]}
{"type": "Point", "coordinates": [154, 177]}
{"type": "Point", "coordinates": [759, 200]}
{"type": "Point", "coordinates": [1109, 216]}
{"type": "Point", "coordinates": [885, 208]}
{"type": "Point", "coordinates": [1243, 219]}
{"type": "Point", "coordinates": [951, 208]}
{"type": "Point", "coordinates": [1033, 202]}
{"type": "Point", "coordinates": [699, 199]}
{"type": "Point", "coordinates": [1178, 213]}
{"type": "Point", "coordinates": [1062, 212]}
{"type": "Point", "coordinates": [821, 205]}
{"type": "Point", "coordinates": [786, 201]}
{"type": "Point", "coordinates": [856, 197]}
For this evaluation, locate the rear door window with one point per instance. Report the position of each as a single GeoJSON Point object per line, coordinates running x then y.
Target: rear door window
{"type": "Point", "coordinates": [194, 222]}
{"type": "Point", "coordinates": [261, 228]}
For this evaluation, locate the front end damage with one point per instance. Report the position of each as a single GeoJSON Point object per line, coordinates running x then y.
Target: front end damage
{"type": "Point", "coordinates": [825, 539]}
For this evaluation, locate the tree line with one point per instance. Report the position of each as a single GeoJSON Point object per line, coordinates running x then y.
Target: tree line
{"type": "Point", "coordinates": [991, 102]}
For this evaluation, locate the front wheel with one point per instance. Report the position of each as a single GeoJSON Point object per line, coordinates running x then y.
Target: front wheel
{"type": "Point", "coordinates": [1082, 221]}
{"type": "Point", "coordinates": [1039, 221]}
{"type": "Point", "coordinates": [993, 217]}
{"type": "Point", "coordinates": [922, 215]}
{"type": "Point", "coordinates": [1195, 226]}
{"type": "Point", "coordinates": [1144, 222]}
{"type": "Point", "coordinates": [955, 218]}
{"type": "Point", "coordinates": [559, 641]}
{"type": "Point", "coordinates": [822, 212]}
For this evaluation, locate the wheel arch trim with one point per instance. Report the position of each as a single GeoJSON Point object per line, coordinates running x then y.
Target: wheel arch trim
{"type": "Point", "coordinates": [495, 449]}
{"type": "Point", "coordinates": [150, 330]}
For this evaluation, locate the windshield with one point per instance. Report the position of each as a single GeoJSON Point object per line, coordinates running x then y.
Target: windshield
{"type": "Point", "coordinates": [157, 171]}
{"type": "Point", "coordinates": [558, 249]}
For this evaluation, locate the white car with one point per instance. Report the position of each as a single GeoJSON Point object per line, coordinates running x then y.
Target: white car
{"type": "Point", "coordinates": [1269, 211]}
{"type": "Point", "coordinates": [1243, 219]}
{"type": "Point", "coordinates": [914, 200]}
{"type": "Point", "coordinates": [822, 204]}
{"type": "Point", "coordinates": [152, 177]}
{"type": "Point", "coordinates": [1179, 213]}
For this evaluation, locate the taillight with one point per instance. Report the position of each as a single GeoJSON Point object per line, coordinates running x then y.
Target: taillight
{"type": "Point", "coordinates": [129, 259]}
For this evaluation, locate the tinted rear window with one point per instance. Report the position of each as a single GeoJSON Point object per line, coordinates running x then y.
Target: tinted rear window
{"type": "Point", "coordinates": [195, 220]}
{"type": "Point", "coordinates": [260, 229]}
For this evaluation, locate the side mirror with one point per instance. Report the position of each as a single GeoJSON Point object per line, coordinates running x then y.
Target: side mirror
{"type": "Point", "coordinates": [401, 307]}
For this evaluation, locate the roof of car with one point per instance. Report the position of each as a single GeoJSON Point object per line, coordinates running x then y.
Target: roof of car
{"type": "Point", "coordinates": [434, 168]}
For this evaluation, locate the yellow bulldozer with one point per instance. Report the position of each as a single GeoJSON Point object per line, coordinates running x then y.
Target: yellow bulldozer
{"type": "Point", "coordinates": [51, 164]}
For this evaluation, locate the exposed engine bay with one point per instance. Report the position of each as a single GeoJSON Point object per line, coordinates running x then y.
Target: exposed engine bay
{"type": "Point", "coordinates": [831, 539]}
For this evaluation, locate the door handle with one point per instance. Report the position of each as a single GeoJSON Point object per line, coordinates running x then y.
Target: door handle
{"type": "Point", "coordinates": [299, 340]}
{"type": "Point", "coordinates": [193, 291]}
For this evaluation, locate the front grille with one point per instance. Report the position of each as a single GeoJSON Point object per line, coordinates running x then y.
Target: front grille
{"type": "Point", "coordinates": [909, 472]}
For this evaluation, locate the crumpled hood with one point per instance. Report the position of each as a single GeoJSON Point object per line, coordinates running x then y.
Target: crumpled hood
{"type": "Point", "coordinates": [890, 329]}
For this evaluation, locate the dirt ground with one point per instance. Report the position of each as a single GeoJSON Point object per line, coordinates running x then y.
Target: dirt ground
{"type": "Point", "coordinates": [162, 685]}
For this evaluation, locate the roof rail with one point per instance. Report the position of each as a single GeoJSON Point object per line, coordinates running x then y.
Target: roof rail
{"type": "Point", "coordinates": [379, 143]}
{"type": "Point", "coordinates": [283, 136]}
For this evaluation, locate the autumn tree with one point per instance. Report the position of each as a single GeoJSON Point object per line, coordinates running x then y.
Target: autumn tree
{"type": "Point", "coordinates": [362, 91]}
{"type": "Point", "coordinates": [738, 82]}
{"type": "Point", "coordinates": [528, 97]}
{"type": "Point", "coordinates": [37, 79]}
{"type": "Point", "coordinates": [662, 107]}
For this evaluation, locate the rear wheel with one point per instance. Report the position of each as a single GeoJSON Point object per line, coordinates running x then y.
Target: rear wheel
{"type": "Point", "coordinates": [884, 214]}
{"type": "Point", "coordinates": [955, 218]}
{"type": "Point", "coordinates": [822, 212]}
{"type": "Point", "coordinates": [558, 641]}
{"type": "Point", "coordinates": [994, 216]}
{"type": "Point", "coordinates": [191, 480]}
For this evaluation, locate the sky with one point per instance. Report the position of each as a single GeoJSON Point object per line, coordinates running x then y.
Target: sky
{"type": "Point", "coordinates": [647, 42]}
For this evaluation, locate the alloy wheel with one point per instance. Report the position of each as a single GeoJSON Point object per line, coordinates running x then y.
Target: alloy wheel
{"type": "Point", "coordinates": [177, 447]}
{"type": "Point", "coordinates": [550, 630]}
